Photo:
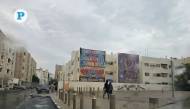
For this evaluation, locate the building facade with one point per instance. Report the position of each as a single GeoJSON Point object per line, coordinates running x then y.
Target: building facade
{"type": "Point", "coordinates": [51, 76]}
{"type": "Point", "coordinates": [25, 66]}
{"type": "Point", "coordinates": [58, 69]}
{"type": "Point", "coordinates": [7, 60]}
{"type": "Point", "coordinates": [22, 63]}
{"type": "Point", "coordinates": [122, 68]}
{"type": "Point", "coordinates": [46, 76]}
{"type": "Point", "coordinates": [186, 60]}
{"type": "Point", "coordinates": [39, 74]}
{"type": "Point", "coordinates": [15, 63]}
{"type": "Point", "coordinates": [158, 70]}
{"type": "Point", "coordinates": [43, 76]}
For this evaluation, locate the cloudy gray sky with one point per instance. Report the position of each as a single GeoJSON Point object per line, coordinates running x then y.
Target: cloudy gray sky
{"type": "Point", "coordinates": [55, 27]}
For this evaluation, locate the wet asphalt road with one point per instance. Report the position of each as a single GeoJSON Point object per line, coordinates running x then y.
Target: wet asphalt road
{"type": "Point", "coordinates": [12, 99]}
{"type": "Point", "coordinates": [38, 103]}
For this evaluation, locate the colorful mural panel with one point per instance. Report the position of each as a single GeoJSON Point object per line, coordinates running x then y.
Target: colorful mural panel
{"type": "Point", "coordinates": [92, 75]}
{"type": "Point", "coordinates": [92, 65]}
{"type": "Point", "coordinates": [128, 68]}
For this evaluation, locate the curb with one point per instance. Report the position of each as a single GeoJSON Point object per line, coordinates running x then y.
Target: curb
{"type": "Point", "coordinates": [58, 107]}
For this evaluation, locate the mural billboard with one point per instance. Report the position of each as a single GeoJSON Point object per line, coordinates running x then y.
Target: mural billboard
{"type": "Point", "coordinates": [128, 68]}
{"type": "Point", "coordinates": [92, 65]}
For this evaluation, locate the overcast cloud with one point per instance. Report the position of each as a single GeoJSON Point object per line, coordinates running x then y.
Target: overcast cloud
{"type": "Point", "coordinates": [55, 27]}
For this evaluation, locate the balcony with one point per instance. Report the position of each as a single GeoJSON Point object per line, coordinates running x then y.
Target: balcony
{"type": "Point", "coordinates": [160, 75]}
{"type": "Point", "coordinates": [109, 62]}
{"type": "Point", "coordinates": [164, 66]}
{"type": "Point", "coordinates": [109, 72]}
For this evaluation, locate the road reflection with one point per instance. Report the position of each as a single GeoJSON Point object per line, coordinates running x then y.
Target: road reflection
{"type": "Point", "coordinates": [11, 100]}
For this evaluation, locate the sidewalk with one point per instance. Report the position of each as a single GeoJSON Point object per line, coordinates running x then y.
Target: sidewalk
{"type": "Point", "coordinates": [134, 100]}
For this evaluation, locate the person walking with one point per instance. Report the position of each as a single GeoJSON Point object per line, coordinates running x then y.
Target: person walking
{"type": "Point", "coordinates": [106, 89]}
{"type": "Point", "coordinates": [110, 88]}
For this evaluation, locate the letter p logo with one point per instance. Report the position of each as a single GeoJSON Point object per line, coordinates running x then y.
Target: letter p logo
{"type": "Point", "coordinates": [20, 15]}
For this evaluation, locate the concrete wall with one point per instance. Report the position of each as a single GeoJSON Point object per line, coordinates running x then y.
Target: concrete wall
{"type": "Point", "coordinates": [116, 86]}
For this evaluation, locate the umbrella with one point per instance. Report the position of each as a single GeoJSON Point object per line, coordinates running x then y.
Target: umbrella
{"type": "Point", "coordinates": [110, 79]}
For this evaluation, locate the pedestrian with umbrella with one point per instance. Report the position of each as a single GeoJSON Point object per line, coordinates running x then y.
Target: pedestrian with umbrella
{"type": "Point", "coordinates": [110, 88]}
{"type": "Point", "coordinates": [106, 89]}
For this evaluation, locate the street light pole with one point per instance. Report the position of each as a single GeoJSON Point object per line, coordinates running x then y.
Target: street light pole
{"type": "Point", "coordinates": [172, 74]}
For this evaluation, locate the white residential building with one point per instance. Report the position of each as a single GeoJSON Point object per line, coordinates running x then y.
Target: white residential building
{"type": "Point", "coordinates": [51, 75]}
{"type": "Point", "coordinates": [40, 74]}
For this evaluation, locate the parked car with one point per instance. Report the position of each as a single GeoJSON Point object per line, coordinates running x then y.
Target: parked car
{"type": "Point", "coordinates": [19, 87]}
{"type": "Point", "coordinates": [42, 87]}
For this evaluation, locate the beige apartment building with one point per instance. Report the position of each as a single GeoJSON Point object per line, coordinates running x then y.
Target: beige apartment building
{"type": "Point", "coordinates": [71, 70]}
{"type": "Point", "coordinates": [21, 70]}
{"type": "Point", "coordinates": [186, 60]}
{"type": "Point", "coordinates": [58, 69]}
{"type": "Point", "coordinates": [31, 70]}
{"type": "Point", "coordinates": [127, 68]}
{"type": "Point", "coordinates": [7, 60]}
{"type": "Point", "coordinates": [158, 70]}
{"type": "Point", "coordinates": [25, 65]}
{"type": "Point", "coordinates": [15, 63]}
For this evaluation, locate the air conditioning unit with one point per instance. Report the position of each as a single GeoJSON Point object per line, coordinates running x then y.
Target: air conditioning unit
{"type": "Point", "coordinates": [111, 73]}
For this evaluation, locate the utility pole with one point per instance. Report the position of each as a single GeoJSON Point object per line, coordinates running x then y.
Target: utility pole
{"type": "Point", "coordinates": [172, 74]}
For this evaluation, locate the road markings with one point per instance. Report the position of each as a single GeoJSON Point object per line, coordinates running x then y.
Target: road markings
{"type": "Point", "coordinates": [22, 102]}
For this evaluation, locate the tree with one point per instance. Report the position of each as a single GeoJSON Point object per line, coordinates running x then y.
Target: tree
{"type": "Point", "coordinates": [35, 79]}
{"type": "Point", "coordinates": [183, 80]}
{"type": "Point", "coordinates": [53, 81]}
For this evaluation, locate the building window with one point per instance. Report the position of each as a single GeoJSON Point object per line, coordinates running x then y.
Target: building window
{"type": "Point", "coordinates": [152, 65]}
{"type": "Point", "coordinates": [170, 75]}
{"type": "Point", "coordinates": [2, 56]}
{"type": "Point", "coordinates": [164, 74]}
{"type": "Point", "coordinates": [147, 82]}
{"type": "Point", "coordinates": [23, 68]}
{"type": "Point", "coordinates": [158, 75]}
{"type": "Point", "coordinates": [146, 64]}
{"type": "Point", "coordinates": [115, 62]}
{"type": "Point", "coordinates": [1, 69]}
{"type": "Point", "coordinates": [164, 83]}
{"type": "Point", "coordinates": [159, 83]}
{"type": "Point", "coordinates": [158, 65]}
{"type": "Point", "coordinates": [8, 70]}
{"type": "Point", "coordinates": [146, 74]}
{"type": "Point", "coordinates": [164, 66]}
{"type": "Point", "coordinates": [9, 60]}
{"type": "Point", "coordinates": [10, 50]}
